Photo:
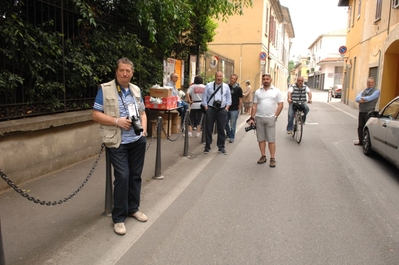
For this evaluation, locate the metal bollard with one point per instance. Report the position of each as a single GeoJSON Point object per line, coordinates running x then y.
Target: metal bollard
{"type": "Point", "coordinates": [157, 174]}
{"type": "Point", "coordinates": [108, 184]}
{"type": "Point", "coordinates": [203, 139]}
{"type": "Point", "coordinates": [2, 257]}
{"type": "Point", "coordinates": [185, 152]}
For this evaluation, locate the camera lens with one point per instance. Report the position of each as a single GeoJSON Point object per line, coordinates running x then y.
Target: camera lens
{"type": "Point", "coordinates": [136, 126]}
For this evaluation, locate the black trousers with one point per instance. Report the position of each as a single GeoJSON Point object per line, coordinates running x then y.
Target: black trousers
{"type": "Point", "coordinates": [219, 116]}
{"type": "Point", "coordinates": [363, 117]}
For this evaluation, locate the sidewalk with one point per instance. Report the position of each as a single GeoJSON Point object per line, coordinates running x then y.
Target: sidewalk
{"type": "Point", "coordinates": [31, 231]}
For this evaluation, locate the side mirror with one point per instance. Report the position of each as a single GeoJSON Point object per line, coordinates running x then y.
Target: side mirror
{"type": "Point", "coordinates": [374, 114]}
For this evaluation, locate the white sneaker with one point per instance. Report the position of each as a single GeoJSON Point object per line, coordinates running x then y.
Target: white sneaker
{"type": "Point", "coordinates": [120, 228]}
{"type": "Point", "coordinates": [140, 216]}
{"type": "Point", "coordinates": [198, 135]}
{"type": "Point", "coordinates": [190, 134]}
{"type": "Point", "coordinates": [289, 132]}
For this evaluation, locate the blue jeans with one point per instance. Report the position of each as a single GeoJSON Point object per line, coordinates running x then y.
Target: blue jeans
{"type": "Point", "coordinates": [290, 125]}
{"type": "Point", "coordinates": [127, 161]}
{"type": "Point", "coordinates": [182, 111]}
{"type": "Point", "coordinates": [231, 122]}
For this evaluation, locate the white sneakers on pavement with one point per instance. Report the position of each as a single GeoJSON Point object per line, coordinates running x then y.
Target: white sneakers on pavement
{"type": "Point", "coordinates": [120, 228]}
{"type": "Point", "coordinates": [140, 216]}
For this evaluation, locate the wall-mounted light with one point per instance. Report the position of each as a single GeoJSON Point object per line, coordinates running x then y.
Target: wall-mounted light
{"type": "Point", "coordinates": [349, 63]}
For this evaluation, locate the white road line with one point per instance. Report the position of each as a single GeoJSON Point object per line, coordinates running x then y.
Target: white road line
{"type": "Point", "coordinates": [116, 252]}
{"type": "Point", "coordinates": [342, 110]}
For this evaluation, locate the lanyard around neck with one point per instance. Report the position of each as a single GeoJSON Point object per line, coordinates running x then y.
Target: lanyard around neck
{"type": "Point", "coordinates": [118, 88]}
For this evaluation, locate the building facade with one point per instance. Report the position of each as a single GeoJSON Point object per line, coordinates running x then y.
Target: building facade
{"type": "Point", "coordinates": [258, 42]}
{"type": "Point", "coordinates": [372, 48]}
{"type": "Point", "coordinates": [325, 61]}
{"type": "Point", "coordinates": [301, 69]}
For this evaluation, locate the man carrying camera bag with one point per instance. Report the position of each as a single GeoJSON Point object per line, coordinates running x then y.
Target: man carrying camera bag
{"type": "Point", "coordinates": [267, 105]}
{"type": "Point", "coordinates": [216, 101]}
{"type": "Point", "coordinates": [119, 109]}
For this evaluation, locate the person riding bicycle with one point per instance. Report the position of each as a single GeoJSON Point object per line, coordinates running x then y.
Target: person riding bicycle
{"type": "Point", "coordinates": [297, 93]}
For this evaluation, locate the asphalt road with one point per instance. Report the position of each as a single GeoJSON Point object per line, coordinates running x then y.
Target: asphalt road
{"type": "Point", "coordinates": [324, 203]}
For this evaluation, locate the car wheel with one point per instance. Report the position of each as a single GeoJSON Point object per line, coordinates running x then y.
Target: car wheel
{"type": "Point", "coordinates": [367, 143]}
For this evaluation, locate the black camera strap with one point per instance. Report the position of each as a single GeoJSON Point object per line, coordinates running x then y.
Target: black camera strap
{"type": "Point", "coordinates": [215, 91]}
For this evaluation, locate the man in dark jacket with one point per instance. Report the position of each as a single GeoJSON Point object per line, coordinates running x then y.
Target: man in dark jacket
{"type": "Point", "coordinates": [236, 104]}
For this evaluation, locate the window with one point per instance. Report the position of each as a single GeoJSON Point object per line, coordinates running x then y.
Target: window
{"type": "Point", "coordinates": [272, 29]}
{"type": "Point", "coordinates": [378, 10]}
{"type": "Point", "coordinates": [353, 73]}
{"type": "Point", "coordinates": [373, 72]}
{"type": "Point", "coordinates": [391, 111]}
{"type": "Point", "coordinates": [359, 9]}
{"type": "Point", "coordinates": [267, 21]}
{"type": "Point", "coordinates": [354, 12]}
{"type": "Point", "coordinates": [338, 75]}
{"type": "Point", "coordinates": [395, 3]}
{"type": "Point", "coordinates": [349, 16]}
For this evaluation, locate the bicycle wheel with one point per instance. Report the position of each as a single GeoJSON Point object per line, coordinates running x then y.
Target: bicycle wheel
{"type": "Point", "coordinates": [299, 128]}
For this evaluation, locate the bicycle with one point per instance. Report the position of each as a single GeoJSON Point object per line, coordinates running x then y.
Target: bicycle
{"type": "Point", "coordinates": [298, 121]}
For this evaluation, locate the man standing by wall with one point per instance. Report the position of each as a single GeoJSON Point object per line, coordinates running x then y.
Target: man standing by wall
{"type": "Point", "coordinates": [118, 106]}
{"type": "Point", "coordinates": [236, 104]}
{"type": "Point", "coordinates": [216, 101]}
{"type": "Point", "coordinates": [267, 105]}
{"type": "Point", "coordinates": [367, 100]}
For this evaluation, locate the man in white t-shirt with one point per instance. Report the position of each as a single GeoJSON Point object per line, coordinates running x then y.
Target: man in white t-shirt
{"type": "Point", "coordinates": [267, 105]}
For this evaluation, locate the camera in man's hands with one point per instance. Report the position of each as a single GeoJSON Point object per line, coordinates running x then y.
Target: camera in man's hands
{"type": "Point", "coordinates": [217, 104]}
{"type": "Point", "coordinates": [250, 127]}
{"type": "Point", "coordinates": [136, 125]}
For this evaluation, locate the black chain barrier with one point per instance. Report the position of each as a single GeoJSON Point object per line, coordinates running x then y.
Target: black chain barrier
{"type": "Point", "coordinates": [178, 135]}
{"type": "Point", "coordinates": [53, 203]}
{"type": "Point", "coordinates": [48, 203]}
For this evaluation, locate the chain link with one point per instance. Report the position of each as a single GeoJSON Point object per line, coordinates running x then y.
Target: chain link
{"type": "Point", "coordinates": [178, 135]}
{"type": "Point", "coordinates": [52, 203]}
{"type": "Point", "coordinates": [49, 203]}
{"type": "Point", "coordinates": [154, 131]}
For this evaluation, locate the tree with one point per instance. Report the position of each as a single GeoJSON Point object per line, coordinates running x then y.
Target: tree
{"type": "Point", "coordinates": [64, 61]}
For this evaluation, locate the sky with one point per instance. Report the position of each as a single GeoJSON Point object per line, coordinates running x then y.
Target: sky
{"type": "Point", "coordinates": [312, 18]}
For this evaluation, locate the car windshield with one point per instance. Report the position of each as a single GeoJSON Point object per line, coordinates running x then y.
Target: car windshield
{"type": "Point", "coordinates": [391, 111]}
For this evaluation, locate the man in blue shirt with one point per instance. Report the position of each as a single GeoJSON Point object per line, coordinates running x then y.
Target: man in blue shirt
{"type": "Point", "coordinates": [367, 100]}
{"type": "Point", "coordinates": [216, 101]}
{"type": "Point", "coordinates": [180, 102]}
{"type": "Point", "coordinates": [120, 110]}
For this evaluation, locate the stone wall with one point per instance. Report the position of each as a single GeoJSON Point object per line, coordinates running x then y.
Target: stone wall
{"type": "Point", "coordinates": [32, 147]}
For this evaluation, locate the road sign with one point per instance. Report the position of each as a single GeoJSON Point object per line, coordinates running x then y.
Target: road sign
{"type": "Point", "coordinates": [262, 56]}
{"type": "Point", "coordinates": [342, 49]}
{"type": "Point", "coordinates": [214, 61]}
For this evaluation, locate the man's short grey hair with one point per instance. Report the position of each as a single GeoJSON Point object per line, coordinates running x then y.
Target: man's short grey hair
{"type": "Point", "coordinates": [124, 60]}
{"type": "Point", "coordinates": [248, 82]}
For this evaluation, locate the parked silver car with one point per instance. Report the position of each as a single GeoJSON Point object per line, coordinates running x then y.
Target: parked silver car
{"type": "Point", "coordinates": [336, 91]}
{"type": "Point", "coordinates": [381, 132]}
